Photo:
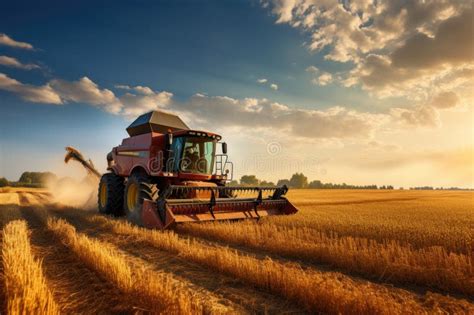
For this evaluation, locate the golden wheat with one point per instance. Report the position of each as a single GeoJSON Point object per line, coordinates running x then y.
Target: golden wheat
{"type": "Point", "coordinates": [432, 266]}
{"type": "Point", "coordinates": [316, 291]}
{"type": "Point", "coordinates": [154, 290]}
{"type": "Point", "coordinates": [418, 218]}
{"type": "Point", "coordinates": [26, 290]}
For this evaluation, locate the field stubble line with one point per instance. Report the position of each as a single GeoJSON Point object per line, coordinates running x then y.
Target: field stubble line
{"type": "Point", "coordinates": [26, 290]}
{"type": "Point", "coordinates": [76, 288]}
{"type": "Point", "coordinates": [204, 282]}
{"type": "Point", "coordinates": [388, 261]}
{"type": "Point", "coordinates": [317, 292]}
{"type": "Point", "coordinates": [155, 291]}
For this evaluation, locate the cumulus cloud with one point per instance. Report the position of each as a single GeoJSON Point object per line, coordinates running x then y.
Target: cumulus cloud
{"type": "Point", "coordinates": [122, 87]}
{"type": "Point", "coordinates": [445, 100]}
{"type": "Point", "coordinates": [351, 29]}
{"type": "Point", "coordinates": [14, 63]}
{"type": "Point", "coordinates": [415, 66]}
{"type": "Point", "coordinates": [139, 89]}
{"type": "Point", "coordinates": [8, 41]}
{"type": "Point", "coordinates": [37, 94]}
{"type": "Point", "coordinates": [139, 99]}
{"type": "Point", "coordinates": [86, 91]}
{"type": "Point", "coordinates": [319, 77]}
{"type": "Point", "coordinates": [421, 116]}
{"type": "Point", "coordinates": [324, 79]}
{"type": "Point", "coordinates": [427, 114]}
{"type": "Point", "coordinates": [262, 81]}
{"type": "Point", "coordinates": [397, 48]}
{"type": "Point", "coordinates": [335, 122]}
{"type": "Point", "coordinates": [134, 105]}
{"type": "Point", "coordinates": [274, 86]}
{"type": "Point", "coordinates": [452, 44]}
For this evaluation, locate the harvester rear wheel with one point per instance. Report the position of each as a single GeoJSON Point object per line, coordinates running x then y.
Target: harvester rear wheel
{"type": "Point", "coordinates": [138, 187]}
{"type": "Point", "coordinates": [110, 196]}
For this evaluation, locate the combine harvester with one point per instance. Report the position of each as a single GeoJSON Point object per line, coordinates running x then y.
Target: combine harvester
{"type": "Point", "coordinates": [166, 173]}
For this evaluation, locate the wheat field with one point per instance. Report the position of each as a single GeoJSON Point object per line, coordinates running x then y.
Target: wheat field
{"type": "Point", "coordinates": [344, 252]}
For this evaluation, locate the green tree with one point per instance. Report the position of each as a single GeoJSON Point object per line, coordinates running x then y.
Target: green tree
{"type": "Point", "coordinates": [267, 184]}
{"type": "Point", "coordinates": [282, 182]}
{"type": "Point", "coordinates": [3, 182]}
{"type": "Point", "coordinates": [249, 180]}
{"type": "Point", "coordinates": [234, 183]}
{"type": "Point", "coordinates": [36, 177]}
{"type": "Point", "coordinates": [298, 180]}
{"type": "Point", "coordinates": [315, 184]}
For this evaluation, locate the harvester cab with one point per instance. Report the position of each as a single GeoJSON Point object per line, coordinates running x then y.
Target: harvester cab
{"type": "Point", "coordinates": [167, 173]}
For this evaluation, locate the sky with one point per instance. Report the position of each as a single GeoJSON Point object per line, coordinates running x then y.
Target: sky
{"type": "Point", "coordinates": [361, 92]}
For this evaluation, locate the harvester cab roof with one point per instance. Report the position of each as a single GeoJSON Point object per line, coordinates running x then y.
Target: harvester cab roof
{"type": "Point", "coordinates": [156, 121]}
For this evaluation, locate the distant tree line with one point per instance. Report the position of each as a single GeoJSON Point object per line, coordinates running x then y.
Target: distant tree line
{"type": "Point", "coordinates": [3, 182]}
{"type": "Point", "coordinates": [438, 188]}
{"type": "Point", "coordinates": [299, 180]}
{"type": "Point", "coordinates": [30, 179]}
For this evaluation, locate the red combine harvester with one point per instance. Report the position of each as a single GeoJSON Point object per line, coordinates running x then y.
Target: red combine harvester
{"type": "Point", "coordinates": [166, 173]}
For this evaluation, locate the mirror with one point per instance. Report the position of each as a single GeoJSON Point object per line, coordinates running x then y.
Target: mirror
{"type": "Point", "coordinates": [224, 147]}
{"type": "Point", "coordinates": [170, 139]}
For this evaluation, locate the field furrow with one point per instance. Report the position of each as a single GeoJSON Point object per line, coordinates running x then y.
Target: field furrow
{"type": "Point", "coordinates": [156, 292]}
{"type": "Point", "coordinates": [391, 262]}
{"type": "Point", "coordinates": [76, 288]}
{"type": "Point", "coordinates": [314, 290]}
{"type": "Point", "coordinates": [205, 283]}
{"type": "Point", "coordinates": [25, 287]}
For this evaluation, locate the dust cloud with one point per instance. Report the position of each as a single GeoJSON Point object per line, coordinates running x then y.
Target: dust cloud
{"type": "Point", "coordinates": [81, 194]}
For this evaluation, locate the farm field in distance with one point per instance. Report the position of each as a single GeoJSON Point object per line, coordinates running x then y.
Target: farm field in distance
{"type": "Point", "coordinates": [344, 252]}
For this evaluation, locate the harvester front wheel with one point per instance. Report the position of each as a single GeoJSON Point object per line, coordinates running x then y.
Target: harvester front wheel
{"type": "Point", "coordinates": [138, 187]}
{"type": "Point", "coordinates": [110, 197]}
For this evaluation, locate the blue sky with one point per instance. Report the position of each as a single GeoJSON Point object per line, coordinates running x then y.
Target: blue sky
{"type": "Point", "coordinates": [214, 48]}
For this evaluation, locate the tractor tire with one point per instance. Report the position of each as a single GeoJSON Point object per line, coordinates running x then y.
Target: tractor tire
{"type": "Point", "coordinates": [137, 188]}
{"type": "Point", "coordinates": [110, 195]}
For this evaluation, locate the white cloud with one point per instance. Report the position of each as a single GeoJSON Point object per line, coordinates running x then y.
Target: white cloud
{"type": "Point", "coordinates": [397, 48]}
{"type": "Point", "coordinates": [421, 64]}
{"type": "Point", "coordinates": [36, 94]}
{"type": "Point", "coordinates": [139, 89]}
{"type": "Point", "coordinates": [8, 41]}
{"type": "Point", "coordinates": [262, 114]}
{"type": "Point", "coordinates": [312, 69]}
{"type": "Point", "coordinates": [445, 99]}
{"type": "Point", "coordinates": [134, 105]}
{"type": "Point", "coordinates": [274, 86]}
{"type": "Point", "coordinates": [122, 87]}
{"type": "Point", "coordinates": [319, 77]}
{"type": "Point", "coordinates": [353, 29]}
{"type": "Point", "coordinates": [333, 123]}
{"type": "Point", "coordinates": [427, 114]}
{"type": "Point", "coordinates": [420, 116]}
{"type": "Point", "coordinates": [262, 81]}
{"type": "Point", "coordinates": [144, 90]}
{"type": "Point", "coordinates": [14, 63]}
{"type": "Point", "coordinates": [324, 79]}
{"type": "Point", "coordinates": [86, 91]}
{"type": "Point", "coordinates": [451, 44]}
